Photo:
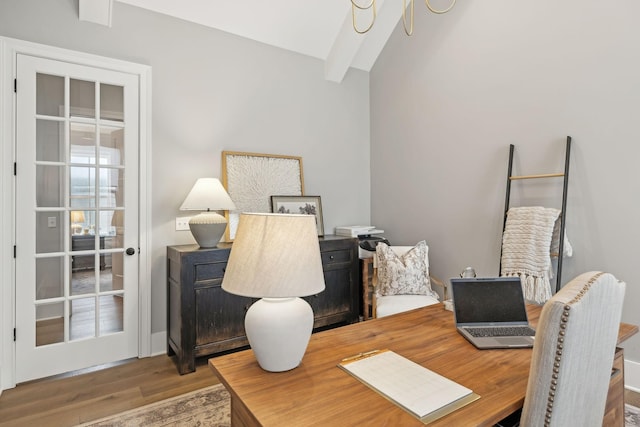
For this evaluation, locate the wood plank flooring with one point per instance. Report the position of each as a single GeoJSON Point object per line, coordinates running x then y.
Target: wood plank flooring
{"type": "Point", "coordinates": [632, 398]}
{"type": "Point", "coordinates": [88, 395]}
{"type": "Point", "coordinates": [71, 399]}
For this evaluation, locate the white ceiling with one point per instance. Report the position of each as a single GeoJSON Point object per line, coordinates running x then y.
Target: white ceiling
{"type": "Point", "coordinates": [318, 28]}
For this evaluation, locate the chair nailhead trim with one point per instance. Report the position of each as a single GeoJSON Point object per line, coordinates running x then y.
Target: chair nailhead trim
{"type": "Point", "coordinates": [560, 346]}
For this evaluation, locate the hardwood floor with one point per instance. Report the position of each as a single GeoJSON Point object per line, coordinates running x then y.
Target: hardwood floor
{"type": "Point", "coordinates": [70, 399]}
{"type": "Point", "coordinates": [632, 398]}
{"type": "Point", "coordinates": [82, 322]}
{"type": "Point", "coordinates": [88, 395]}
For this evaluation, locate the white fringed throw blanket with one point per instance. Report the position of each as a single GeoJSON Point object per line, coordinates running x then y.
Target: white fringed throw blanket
{"type": "Point", "coordinates": [526, 245]}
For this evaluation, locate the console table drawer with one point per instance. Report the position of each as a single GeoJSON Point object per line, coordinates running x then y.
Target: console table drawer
{"type": "Point", "coordinates": [335, 257]}
{"type": "Point", "coordinates": [209, 271]}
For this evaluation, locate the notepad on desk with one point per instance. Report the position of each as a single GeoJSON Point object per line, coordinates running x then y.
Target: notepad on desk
{"type": "Point", "coordinates": [424, 393]}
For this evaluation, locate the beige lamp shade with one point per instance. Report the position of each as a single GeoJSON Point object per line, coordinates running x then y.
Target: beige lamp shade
{"type": "Point", "coordinates": [207, 194]}
{"type": "Point", "coordinates": [275, 256]}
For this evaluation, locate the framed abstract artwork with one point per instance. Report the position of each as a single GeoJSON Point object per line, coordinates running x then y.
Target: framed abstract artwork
{"type": "Point", "coordinates": [252, 178]}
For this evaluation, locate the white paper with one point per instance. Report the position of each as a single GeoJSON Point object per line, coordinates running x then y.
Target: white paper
{"type": "Point", "coordinates": [410, 385]}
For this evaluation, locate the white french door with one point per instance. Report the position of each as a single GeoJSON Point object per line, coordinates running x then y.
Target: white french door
{"type": "Point", "coordinates": [76, 216]}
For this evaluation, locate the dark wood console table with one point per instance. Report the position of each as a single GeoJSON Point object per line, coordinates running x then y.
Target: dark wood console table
{"type": "Point", "coordinates": [203, 319]}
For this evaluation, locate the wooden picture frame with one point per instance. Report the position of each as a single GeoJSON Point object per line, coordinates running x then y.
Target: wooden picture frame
{"type": "Point", "coordinates": [251, 178]}
{"type": "Point", "coordinates": [307, 205]}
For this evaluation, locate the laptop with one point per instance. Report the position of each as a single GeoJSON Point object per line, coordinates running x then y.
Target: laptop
{"type": "Point", "coordinates": [491, 313]}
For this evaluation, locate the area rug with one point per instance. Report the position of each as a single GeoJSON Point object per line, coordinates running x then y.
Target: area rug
{"type": "Point", "coordinates": [631, 416]}
{"type": "Point", "coordinates": [206, 407]}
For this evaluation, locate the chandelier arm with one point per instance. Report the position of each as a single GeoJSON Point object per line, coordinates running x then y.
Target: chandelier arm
{"type": "Point", "coordinates": [404, 17]}
{"type": "Point", "coordinates": [371, 3]}
{"type": "Point", "coordinates": [428, 3]}
{"type": "Point", "coordinates": [372, 6]}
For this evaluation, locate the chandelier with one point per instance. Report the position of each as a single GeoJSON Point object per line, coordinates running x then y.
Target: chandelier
{"type": "Point", "coordinates": [372, 6]}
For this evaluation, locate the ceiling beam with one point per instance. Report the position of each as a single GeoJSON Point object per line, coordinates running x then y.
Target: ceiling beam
{"type": "Point", "coordinates": [343, 50]}
{"type": "Point", "coordinates": [363, 49]}
{"type": "Point", "coordinates": [96, 11]}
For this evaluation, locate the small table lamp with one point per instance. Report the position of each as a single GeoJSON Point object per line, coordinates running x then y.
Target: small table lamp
{"type": "Point", "coordinates": [276, 257]}
{"type": "Point", "coordinates": [77, 219]}
{"type": "Point", "coordinates": [208, 195]}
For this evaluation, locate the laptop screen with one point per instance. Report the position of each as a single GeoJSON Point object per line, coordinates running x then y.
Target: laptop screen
{"type": "Point", "coordinates": [488, 300]}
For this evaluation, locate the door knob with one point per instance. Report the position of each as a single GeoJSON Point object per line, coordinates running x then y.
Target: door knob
{"type": "Point", "coordinates": [130, 251]}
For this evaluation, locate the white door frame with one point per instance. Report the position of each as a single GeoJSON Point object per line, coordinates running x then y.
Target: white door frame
{"type": "Point", "coordinates": [9, 49]}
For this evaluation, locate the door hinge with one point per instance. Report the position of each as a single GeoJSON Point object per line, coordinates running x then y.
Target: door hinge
{"type": "Point", "coordinates": [14, 251]}
{"type": "Point", "coordinates": [15, 85]}
{"type": "Point", "coordinates": [14, 334]}
{"type": "Point", "coordinates": [15, 168]}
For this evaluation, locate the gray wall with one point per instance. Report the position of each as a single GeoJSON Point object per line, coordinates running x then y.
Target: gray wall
{"type": "Point", "coordinates": [213, 91]}
{"type": "Point", "coordinates": [447, 102]}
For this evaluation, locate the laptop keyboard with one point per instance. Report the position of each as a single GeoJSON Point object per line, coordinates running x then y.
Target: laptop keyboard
{"type": "Point", "coordinates": [502, 331]}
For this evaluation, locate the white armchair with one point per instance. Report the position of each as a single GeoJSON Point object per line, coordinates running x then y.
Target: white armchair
{"type": "Point", "coordinates": [401, 279]}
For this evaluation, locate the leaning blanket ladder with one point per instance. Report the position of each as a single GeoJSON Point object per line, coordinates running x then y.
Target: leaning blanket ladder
{"type": "Point", "coordinates": [563, 212]}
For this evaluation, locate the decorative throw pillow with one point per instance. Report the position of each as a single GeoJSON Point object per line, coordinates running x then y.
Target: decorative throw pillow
{"type": "Point", "coordinates": [406, 274]}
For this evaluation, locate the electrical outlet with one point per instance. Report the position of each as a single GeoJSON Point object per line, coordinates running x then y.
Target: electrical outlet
{"type": "Point", "coordinates": [182, 223]}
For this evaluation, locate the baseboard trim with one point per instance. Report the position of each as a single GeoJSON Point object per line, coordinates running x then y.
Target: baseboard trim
{"type": "Point", "coordinates": [158, 343]}
{"type": "Point", "coordinates": [632, 375]}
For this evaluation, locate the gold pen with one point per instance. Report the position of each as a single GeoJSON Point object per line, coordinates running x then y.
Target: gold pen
{"type": "Point", "coordinates": [360, 356]}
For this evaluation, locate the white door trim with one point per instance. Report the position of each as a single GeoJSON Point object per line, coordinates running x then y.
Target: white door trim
{"type": "Point", "coordinates": [9, 49]}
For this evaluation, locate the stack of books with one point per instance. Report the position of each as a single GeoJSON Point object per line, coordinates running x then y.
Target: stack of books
{"type": "Point", "coordinates": [357, 230]}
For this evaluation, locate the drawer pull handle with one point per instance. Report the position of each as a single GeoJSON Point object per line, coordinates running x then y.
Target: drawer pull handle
{"type": "Point", "coordinates": [331, 257]}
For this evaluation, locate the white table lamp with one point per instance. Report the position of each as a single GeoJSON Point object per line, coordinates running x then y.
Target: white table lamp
{"type": "Point", "coordinates": [208, 195]}
{"type": "Point", "coordinates": [276, 257]}
{"type": "Point", "coordinates": [77, 219]}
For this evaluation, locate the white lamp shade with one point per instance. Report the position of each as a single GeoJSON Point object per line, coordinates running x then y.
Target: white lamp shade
{"type": "Point", "coordinates": [276, 256]}
{"type": "Point", "coordinates": [207, 194]}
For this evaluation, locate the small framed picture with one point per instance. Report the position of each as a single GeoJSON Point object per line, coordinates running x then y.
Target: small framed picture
{"type": "Point", "coordinates": [307, 205]}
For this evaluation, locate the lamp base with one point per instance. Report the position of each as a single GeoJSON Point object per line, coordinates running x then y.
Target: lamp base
{"type": "Point", "coordinates": [207, 228]}
{"type": "Point", "coordinates": [278, 330]}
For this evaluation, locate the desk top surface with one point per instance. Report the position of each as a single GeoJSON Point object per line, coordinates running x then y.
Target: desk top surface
{"type": "Point", "coordinates": [319, 393]}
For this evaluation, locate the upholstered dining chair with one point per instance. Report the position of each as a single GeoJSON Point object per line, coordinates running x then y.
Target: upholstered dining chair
{"type": "Point", "coordinates": [401, 279]}
{"type": "Point", "coordinates": [573, 353]}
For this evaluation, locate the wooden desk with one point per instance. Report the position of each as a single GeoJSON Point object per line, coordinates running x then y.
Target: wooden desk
{"type": "Point", "coordinates": [319, 393]}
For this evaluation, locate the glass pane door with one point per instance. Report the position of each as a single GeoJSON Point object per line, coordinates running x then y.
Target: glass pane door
{"type": "Point", "coordinates": [78, 203]}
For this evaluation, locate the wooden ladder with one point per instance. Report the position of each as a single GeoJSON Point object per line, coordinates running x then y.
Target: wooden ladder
{"type": "Point", "coordinates": [563, 212]}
